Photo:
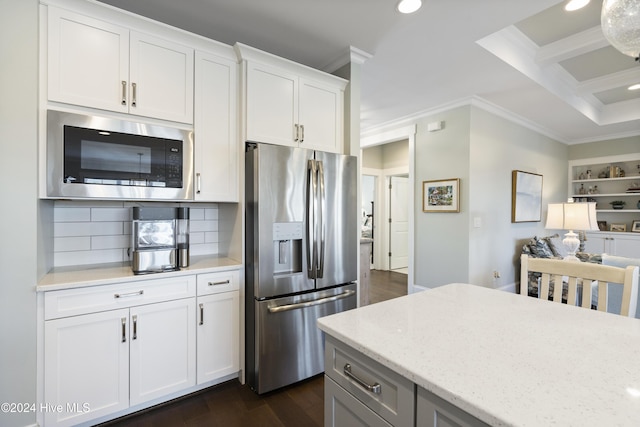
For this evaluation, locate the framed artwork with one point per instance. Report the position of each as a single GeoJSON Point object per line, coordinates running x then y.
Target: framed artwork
{"type": "Point", "coordinates": [635, 226]}
{"type": "Point", "coordinates": [526, 197]}
{"type": "Point", "coordinates": [602, 226]}
{"type": "Point", "coordinates": [618, 227]}
{"type": "Point", "coordinates": [441, 195]}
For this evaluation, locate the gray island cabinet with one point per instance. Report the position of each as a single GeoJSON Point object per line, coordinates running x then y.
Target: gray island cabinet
{"type": "Point", "coordinates": [465, 355]}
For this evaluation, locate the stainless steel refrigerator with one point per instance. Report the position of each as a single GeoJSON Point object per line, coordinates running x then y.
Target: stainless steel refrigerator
{"type": "Point", "coordinates": [301, 258]}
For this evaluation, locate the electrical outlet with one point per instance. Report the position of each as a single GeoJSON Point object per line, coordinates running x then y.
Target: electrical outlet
{"type": "Point", "coordinates": [496, 274]}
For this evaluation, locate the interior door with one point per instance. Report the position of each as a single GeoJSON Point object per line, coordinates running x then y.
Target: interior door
{"type": "Point", "coordinates": [399, 223]}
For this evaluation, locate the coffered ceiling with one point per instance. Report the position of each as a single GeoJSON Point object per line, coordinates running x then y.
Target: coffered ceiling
{"type": "Point", "coordinates": [531, 61]}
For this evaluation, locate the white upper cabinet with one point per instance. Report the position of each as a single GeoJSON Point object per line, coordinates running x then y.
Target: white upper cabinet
{"type": "Point", "coordinates": [96, 64]}
{"type": "Point", "coordinates": [290, 104]}
{"type": "Point", "coordinates": [216, 122]}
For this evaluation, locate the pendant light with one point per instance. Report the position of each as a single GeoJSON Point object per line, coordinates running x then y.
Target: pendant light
{"type": "Point", "coordinates": [620, 21]}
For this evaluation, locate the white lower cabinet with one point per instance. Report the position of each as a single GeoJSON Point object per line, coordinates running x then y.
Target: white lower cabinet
{"type": "Point", "coordinates": [619, 244]}
{"type": "Point", "coordinates": [96, 364]}
{"type": "Point", "coordinates": [218, 326]}
{"type": "Point", "coordinates": [162, 349]}
{"type": "Point", "coordinates": [86, 363]}
{"type": "Point", "coordinates": [114, 349]}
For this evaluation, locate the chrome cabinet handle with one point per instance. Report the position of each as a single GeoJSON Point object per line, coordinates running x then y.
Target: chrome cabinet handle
{"type": "Point", "coordinates": [301, 133]}
{"type": "Point", "coordinates": [124, 329]}
{"type": "Point", "coordinates": [223, 282]}
{"type": "Point", "coordinates": [296, 132]}
{"type": "Point", "coordinates": [135, 328]}
{"type": "Point", "coordinates": [133, 95]}
{"type": "Point", "coordinates": [198, 183]}
{"type": "Point", "coordinates": [124, 92]}
{"type": "Point", "coordinates": [130, 294]}
{"type": "Point", "coordinates": [376, 388]}
{"type": "Point", "coordinates": [201, 314]}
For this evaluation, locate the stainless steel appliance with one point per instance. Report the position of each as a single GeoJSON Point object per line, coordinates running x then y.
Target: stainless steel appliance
{"type": "Point", "coordinates": [99, 157]}
{"type": "Point", "coordinates": [157, 242]}
{"type": "Point", "coordinates": [301, 258]}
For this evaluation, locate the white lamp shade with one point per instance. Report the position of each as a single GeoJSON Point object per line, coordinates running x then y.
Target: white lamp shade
{"type": "Point", "coordinates": [571, 216]}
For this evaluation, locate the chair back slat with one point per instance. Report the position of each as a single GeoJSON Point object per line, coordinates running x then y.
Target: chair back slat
{"type": "Point", "coordinates": [581, 275]}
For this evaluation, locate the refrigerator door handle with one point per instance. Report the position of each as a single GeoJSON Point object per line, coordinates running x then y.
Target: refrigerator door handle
{"type": "Point", "coordinates": [320, 237]}
{"type": "Point", "coordinates": [311, 218]}
{"type": "Point", "coordinates": [288, 307]}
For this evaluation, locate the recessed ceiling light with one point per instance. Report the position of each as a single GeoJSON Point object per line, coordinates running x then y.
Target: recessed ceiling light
{"type": "Point", "coordinates": [408, 6]}
{"type": "Point", "coordinates": [575, 5]}
{"type": "Point", "coordinates": [634, 87]}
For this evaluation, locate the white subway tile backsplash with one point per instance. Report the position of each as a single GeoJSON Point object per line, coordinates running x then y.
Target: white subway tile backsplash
{"type": "Point", "coordinates": [211, 214]}
{"type": "Point", "coordinates": [211, 237]}
{"type": "Point", "coordinates": [205, 249]}
{"type": "Point", "coordinates": [196, 214]}
{"type": "Point", "coordinates": [72, 215]}
{"type": "Point", "coordinates": [197, 226]}
{"type": "Point", "coordinates": [66, 244]}
{"type": "Point", "coordinates": [96, 232]}
{"type": "Point", "coordinates": [110, 242]}
{"type": "Point", "coordinates": [196, 238]}
{"type": "Point", "coordinates": [62, 259]}
{"type": "Point", "coordinates": [111, 214]}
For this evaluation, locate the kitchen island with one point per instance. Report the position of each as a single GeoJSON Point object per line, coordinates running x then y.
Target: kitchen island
{"type": "Point", "coordinates": [496, 357]}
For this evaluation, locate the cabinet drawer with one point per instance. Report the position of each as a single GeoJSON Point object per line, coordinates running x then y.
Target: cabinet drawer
{"type": "Point", "coordinates": [72, 302]}
{"type": "Point", "coordinates": [214, 283]}
{"type": "Point", "coordinates": [342, 409]}
{"type": "Point", "coordinates": [394, 398]}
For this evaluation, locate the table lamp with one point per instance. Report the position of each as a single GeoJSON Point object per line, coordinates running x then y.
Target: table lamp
{"type": "Point", "coordinates": [571, 216]}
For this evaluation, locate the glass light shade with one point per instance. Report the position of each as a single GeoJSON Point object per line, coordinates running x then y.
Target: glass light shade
{"type": "Point", "coordinates": [620, 21]}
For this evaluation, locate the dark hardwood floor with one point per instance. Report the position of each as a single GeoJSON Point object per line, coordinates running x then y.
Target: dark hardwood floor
{"type": "Point", "coordinates": [386, 285]}
{"type": "Point", "coordinates": [232, 404]}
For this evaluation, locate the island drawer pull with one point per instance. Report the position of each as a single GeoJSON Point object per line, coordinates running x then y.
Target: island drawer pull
{"type": "Point", "coordinates": [375, 388]}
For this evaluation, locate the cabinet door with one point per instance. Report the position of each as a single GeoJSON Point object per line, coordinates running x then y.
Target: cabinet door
{"type": "Point", "coordinates": [88, 61]}
{"type": "Point", "coordinates": [343, 409]}
{"type": "Point", "coordinates": [215, 124]}
{"type": "Point", "coordinates": [432, 411]}
{"type": "Point", "coordinates": [86, 363]}
{"type": "Point", "coordinates": [218, 336]}
{"type": "Point", "coordinates": [625, 245]}
{"type": "Point", "coordinates": [596, 243]}
{"type": "Point", "coordinates": [163, 345]}
{"type": "Point", "coordinates": [320, 117]}
{"type": "Point", "coordinates": [161, 76]}
{"type": "Point", "coordinates": [272, 105]}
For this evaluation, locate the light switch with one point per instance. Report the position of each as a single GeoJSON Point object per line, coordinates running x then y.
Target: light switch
{"type": "Point", "coordinates": [477, 222]}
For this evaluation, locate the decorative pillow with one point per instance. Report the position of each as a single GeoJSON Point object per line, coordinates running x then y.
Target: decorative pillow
{"type": "Point", "coordinates": [556, 246]}
{"type": "Point", "coordinates": [540, 248]}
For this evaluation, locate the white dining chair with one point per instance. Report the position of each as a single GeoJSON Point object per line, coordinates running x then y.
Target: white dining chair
{"type": "Point", "coordinates": [581, 274]}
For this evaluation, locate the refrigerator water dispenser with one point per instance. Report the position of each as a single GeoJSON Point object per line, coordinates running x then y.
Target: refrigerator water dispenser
{"type": "Point", "coordinates": [287, 248]}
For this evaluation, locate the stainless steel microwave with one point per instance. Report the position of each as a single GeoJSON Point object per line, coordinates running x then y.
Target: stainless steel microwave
{"type": "Point", "coordinates": [98, 157]}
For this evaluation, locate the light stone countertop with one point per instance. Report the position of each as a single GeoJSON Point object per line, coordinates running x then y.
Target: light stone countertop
{"type": "Point", "coordinates": [505, 358]}
{"type": "Point", "coordinates": [104, 274]}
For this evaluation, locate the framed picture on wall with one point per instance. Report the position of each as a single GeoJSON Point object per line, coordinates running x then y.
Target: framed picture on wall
{"type": "Point", "coordinates": [526, 196]}
{"type": "Point", "coordinates": [635, 226]}
{"type": "Point", "coordinates": [441, 195]}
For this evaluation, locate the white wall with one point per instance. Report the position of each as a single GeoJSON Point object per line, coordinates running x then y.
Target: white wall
{"type": "Point", "coordinates": [18, 189]}
{"type": "Point", "coordinates": [442, 239]}
{"type": "Point", "coordinates": [482, 149]}
{"type": "Point", "coordinates": [498, 147]}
